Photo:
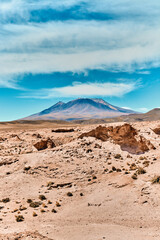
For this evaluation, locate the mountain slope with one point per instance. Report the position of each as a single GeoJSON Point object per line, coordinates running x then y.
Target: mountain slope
{"type": "Point", "coordinates": [153, 115]}
{"type": "Point", "coordinates": [82, 108]}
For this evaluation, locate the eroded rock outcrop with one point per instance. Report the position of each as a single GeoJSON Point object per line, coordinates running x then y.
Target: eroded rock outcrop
{"type": "Point", "coordinates": [157, 131]}
{"type": "Point", "coordinates": [15, 137]}
{"type": "Point", "coordinates": [44, 144]}
{"type": "Point", "coordinates": [63, 130]}
{"type": "Point", "coordinates": [126, 136]}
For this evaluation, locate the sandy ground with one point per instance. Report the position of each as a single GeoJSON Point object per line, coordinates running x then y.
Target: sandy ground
{"type": "Point", "coordinates": [84, 198]}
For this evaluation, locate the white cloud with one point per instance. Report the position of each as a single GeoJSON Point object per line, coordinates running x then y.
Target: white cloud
{"type": "Point", "coordinates": [136, 7]}
{"type": "Point", "coordinates": [128, 108]}
{"type": "Point", "coordinates": [84, 90]}
{"type": "Point", "coordinates": [77, 46]}
{"type": "Point", "coordinates": [8, 82]}
{"type": "Point", "coordinates": [127, 44]}
{"type": "Point", "coordinates": [22, 8]}
{"type": "Point", "coordinates": [140, 110]}
{"type": "Point", "coordinates": [144, 72]}
{"type": "Point", "coordinates": [143, 110]}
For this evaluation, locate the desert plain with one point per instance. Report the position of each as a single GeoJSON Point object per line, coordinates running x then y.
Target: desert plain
{"type": "Point", "coordinates": [69, 185]}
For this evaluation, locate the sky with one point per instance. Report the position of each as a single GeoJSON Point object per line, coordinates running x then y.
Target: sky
{"type": "Point", "coordinates": [59, 50]}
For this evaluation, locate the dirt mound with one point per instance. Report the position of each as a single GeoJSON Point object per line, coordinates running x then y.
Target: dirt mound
{"type": "Point", "coordinates": [126, 136]}
{"type": "Point", "coordinates": [44, 144]}
{"type": "Point", "coordinates": [156, 131]}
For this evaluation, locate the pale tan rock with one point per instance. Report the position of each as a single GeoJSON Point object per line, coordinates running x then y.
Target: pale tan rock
{"type": "Point", "coordinates": [43, 144]}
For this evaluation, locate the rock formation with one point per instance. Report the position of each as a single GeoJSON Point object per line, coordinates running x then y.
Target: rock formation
{"type": "Point", "coordinates": [43, 144]}
{"type": "Point", "coordinates": [157, 131]}
{"type": "Point", "coordinates": [126, 136]}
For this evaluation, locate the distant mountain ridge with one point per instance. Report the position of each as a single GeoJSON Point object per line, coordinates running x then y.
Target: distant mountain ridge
{"type": "Point", "coordinates": [81, 108]}
{"type": "Point", "coordinates": [152, 115]}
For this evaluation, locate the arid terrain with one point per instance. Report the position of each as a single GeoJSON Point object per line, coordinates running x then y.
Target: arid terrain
{"type": "Point", "coordinates": [80, 182]}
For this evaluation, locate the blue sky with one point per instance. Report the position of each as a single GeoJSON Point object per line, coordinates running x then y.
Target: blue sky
{"type": "Point", "coordinates": [61, 50]}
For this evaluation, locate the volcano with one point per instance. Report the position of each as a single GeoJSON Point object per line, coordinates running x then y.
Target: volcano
{"type": "Point", "coordinates": [80, 109]}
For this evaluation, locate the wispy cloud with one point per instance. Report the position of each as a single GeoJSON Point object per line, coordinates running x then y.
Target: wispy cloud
{"type": "Point", "coordinates": [77, 46]}
{"type": "Point", "coordinates": [128, 42]}
{"type": "Point", "coordinates": [7, 81]}
{"type": "Point", "coordinates": [140, 110]}
{"type": "Point", "coordinates": [84, 90]}
{"type": "Point", "coordinates": [143, 110]}
{"type": "Point", "coordinates": [138, 8]}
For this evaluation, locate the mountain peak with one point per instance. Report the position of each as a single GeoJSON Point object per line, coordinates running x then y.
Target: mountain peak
{"type": "Point", "coordinates": [86, 100]}
{"type": "Point", "coordinates": [81, 108]}
{"type": "Point", "coordinates": [59, 103]}
{"type": "Point", "coordinates": [99, 100]}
